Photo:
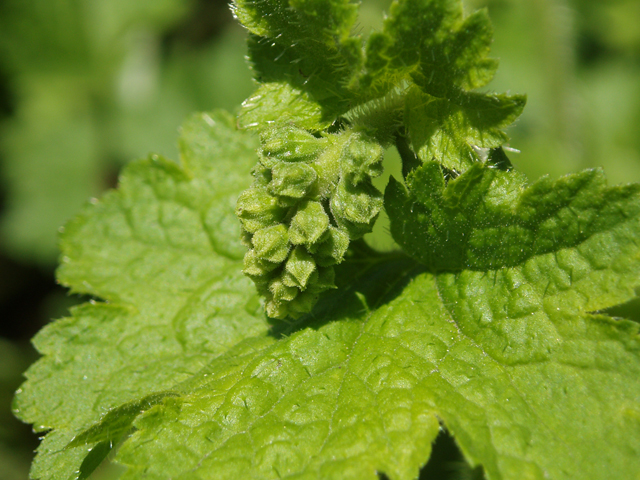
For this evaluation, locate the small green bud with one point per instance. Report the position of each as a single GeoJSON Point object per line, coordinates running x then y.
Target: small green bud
{"type": "Point", "coordinates": [300, 267]}
{"type": "Point", "coordinates": [291, 281]}
{"type": "Point", "coordinates": [287, 202]}
{"type": "Point", "coordinates": [290, 144]}
{"type": "Point", "coordinates": [356, 208]}
{"type": "Point", "coordinates": [292, 180]}
{"type": "Point", "coordinates": [257, 209]}
{"type": "Point", "coordinates": [362, 160]}
{"type": "Point", "coordinates": [302, 304]}
{"type": "Point", "coordinates": [261, 175]}
{"type": "Point", "coordinates": [256, 266]}
{"type": "Point", "coordinates": [325, 280]}
{"type": "Point", "coordinates": [308, 224]}
{"type": "Point", "coordinates": [282, 292]}
{"type": "Point", "coordinates": [271, 243]}
{"type": "Point", "coordinates": [245, 238]}
{"type": "Point", "coordinates": [315, 194]}
{"type": "Point", "coordinates": [276, 309]}
{"type": "Point", "coordinates": [331, 248]}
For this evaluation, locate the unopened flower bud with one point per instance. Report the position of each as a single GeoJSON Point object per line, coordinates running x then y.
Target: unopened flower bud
{"type": "Point", "coordinates": [282, 292]}
{"type": "Point", "coordinates": [257, 209]}
{"type": "Point", "coordinates": [302, 304]}
{"type": "Point", "coordinates": [331, 248]}
{"type": "Point", "coordinates": [362, 160]}
{"type": "Point", "coordinates": [256, 266]}
{"type": "Point", "coordinates": [311, 196]}
{"type": "Point", "coordinates": [292, 180]}
{"type": "Point", "coordinates": [276, 309]}
{"type": "Point", "coordinates": [356, 208]}
{"type": "Point", "coordinates": [308, 224]}
{"type": "Point", "coordinates": [291, 144]}
{"type": "Point", "coordinates": [299, 267]}
{"type": "Point", "coordinates": [324, 281]}
{"type": "Point", "coordinates": [271, 243]}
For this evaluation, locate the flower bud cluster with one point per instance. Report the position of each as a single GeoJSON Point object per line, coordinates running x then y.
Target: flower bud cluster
{"type": "Point", "coordinates": [311, 196]}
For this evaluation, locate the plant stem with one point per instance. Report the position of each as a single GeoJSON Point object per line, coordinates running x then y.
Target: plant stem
{"type": "Point", "coordinates": [409, 159]}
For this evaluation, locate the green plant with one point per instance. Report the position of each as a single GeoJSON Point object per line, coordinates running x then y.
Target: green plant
{"type": "Point", "coordinates": [490, 322]}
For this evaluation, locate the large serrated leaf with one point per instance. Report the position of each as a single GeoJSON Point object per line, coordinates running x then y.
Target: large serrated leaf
{"type": "Point", "coordinates": [341, 400]}
{"type": "Point", "coordinates": [488, 218]}
{"type": "Point", "coordinates": [360, 393]}
{"type": "Point", "coordinates": [497, 336]}
{"type": "Point", "coordinates": [501, 355]}
{"type": "Point", "coordinates": [163, 250]}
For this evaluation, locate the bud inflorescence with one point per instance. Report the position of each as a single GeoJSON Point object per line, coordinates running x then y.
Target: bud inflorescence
{"type": "Point", "coordinates": [311, 196]}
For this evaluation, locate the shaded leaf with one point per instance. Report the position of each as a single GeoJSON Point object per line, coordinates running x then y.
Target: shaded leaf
{"type": "Point", "coordinates": [487, 218]}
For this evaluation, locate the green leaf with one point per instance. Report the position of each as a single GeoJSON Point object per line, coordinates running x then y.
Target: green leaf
{"type": "Point", "coordinates": [437, 56]}
{"type": "Point", "coordinates": [306, 44]}
{"type": "Point", "coordinates": [115, 424]}
{"type": "Point", "coordinates": [425, 62]}
{"type": "Point", "coordinates": [501, 356]}
{"type": "Point", "coordinates": [113, 427]}
{"type": "Point", "coordinates": [526, 268]}
{"type": "Point", "coordinates": [362, 390]}
{"type": "Point", "coordinates": [338, 400]}
{"type": "Point", "coordinates": [164, 251]}
{"type": "Point", "coordinates": [493, 329]}
{"type": "Point", "coordinates": [274, 103]}
{"type": "Point", "coordinates": [448, 129]}
{"type": "Point", "coordinates": [432, 43]}
{"type": "Point", "coordinates": [487, 218]}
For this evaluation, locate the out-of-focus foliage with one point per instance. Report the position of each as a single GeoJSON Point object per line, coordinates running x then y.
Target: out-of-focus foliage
{"type": "Point", "coordinates": [579, 63]}
{"type": "Point", "coordinates": [96, 84]}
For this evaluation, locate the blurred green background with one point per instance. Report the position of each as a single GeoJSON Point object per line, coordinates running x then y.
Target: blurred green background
{"type": "Point", "coordinates": [87, 85]}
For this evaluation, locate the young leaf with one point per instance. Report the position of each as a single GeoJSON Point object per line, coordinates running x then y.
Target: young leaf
{"type": "Point", "coordinates": [448, 129]}
{"type": "Point", "coordinates": [280, 103]}
{"type": "Point", "coordinates": [424, 65]}
{"type": "Point", "coordinates": [306, 44]}
{"type": "Point", "coordinates": [430, 44]}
